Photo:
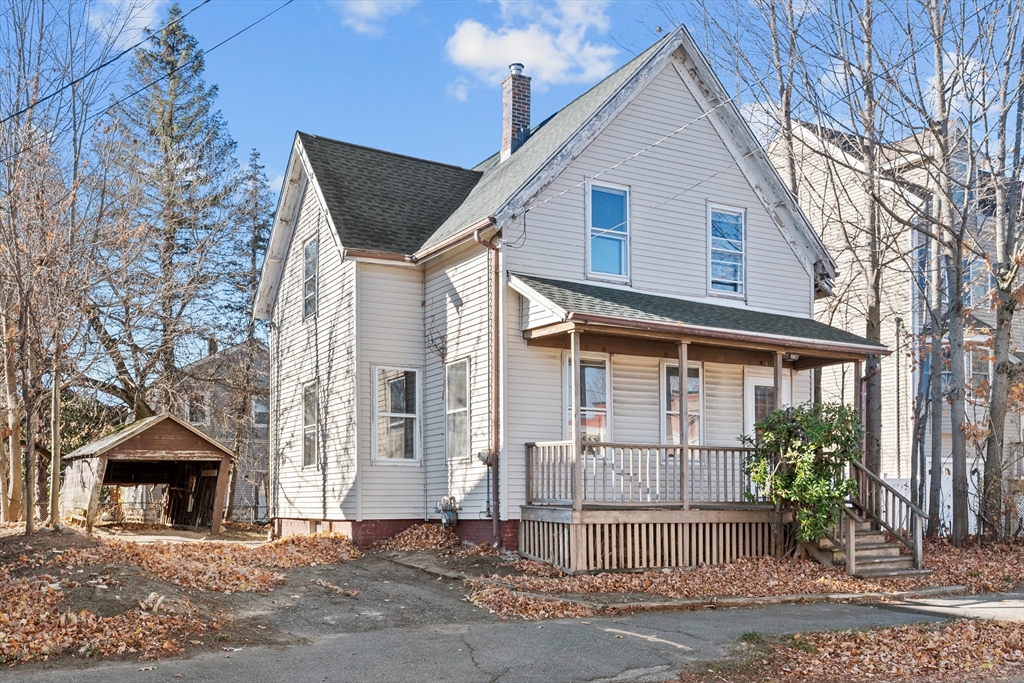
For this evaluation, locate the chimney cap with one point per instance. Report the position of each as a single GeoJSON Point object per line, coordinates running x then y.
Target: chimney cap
{"type": "Point", "coordinates": [516, 69]}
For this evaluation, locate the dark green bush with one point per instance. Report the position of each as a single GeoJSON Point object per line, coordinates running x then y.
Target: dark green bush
{"type": "Point", "coordinates": [799, 462]}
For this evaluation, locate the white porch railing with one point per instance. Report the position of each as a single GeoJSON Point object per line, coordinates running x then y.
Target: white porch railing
{"type": "Point", "coordinates": [639, 475]}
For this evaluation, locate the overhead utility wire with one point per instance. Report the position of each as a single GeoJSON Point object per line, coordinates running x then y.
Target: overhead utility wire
{"type": "Point", "coordinates": [166, 75]}
{"type": "Point", "coordinates": [96, 68]}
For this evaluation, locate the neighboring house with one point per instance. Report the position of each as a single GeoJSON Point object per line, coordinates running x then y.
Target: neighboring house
{"type": "Point", "coordinates": [230, 403]}
{"type": "Point", "coordinates": [428, 323]}
{"type": "Point", "coordinates": [830, 170]}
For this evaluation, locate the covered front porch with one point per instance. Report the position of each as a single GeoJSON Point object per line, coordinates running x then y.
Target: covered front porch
{"type": "Point", "coordinates": [679, 497]}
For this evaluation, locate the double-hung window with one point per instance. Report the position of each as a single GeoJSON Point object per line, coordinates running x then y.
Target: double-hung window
{"type": "Point", "coordinates": [456, 387]}
{"type": "Point", "coordinates": [197, 412]}
{"type": "Point", "coordinates": [673, 421]}
{"type": "Point", "coordinates": [728, 251]}
{"type": "Point", "coordinates": [310, 413]}
{"type": "Point", "coordinates": [592, 397]}
{"type": "Point", "coordinates": [396, 414]}
{"type": "Point", "coordinates": [260, 412]}
{"type": "Point", "coordinates": [608, 231]}
{"type": "Point", "coordinates": [310, 252]}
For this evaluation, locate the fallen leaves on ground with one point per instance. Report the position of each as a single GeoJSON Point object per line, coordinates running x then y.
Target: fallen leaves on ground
{"type": "Point", "coordinates": [32, 626]}
{"type": "Point", "coordinates": [944, 652]}
{"type": "Point", "coordinates": [227, 567]}
{"type": "Point", "coordinates": [423, 537]}
{"type": "Point", "coordinates": [506, 603]}
{"type": "Point", "coordinates": [981, 568]}
{"type": "Point", "coordinates": [535, 568]}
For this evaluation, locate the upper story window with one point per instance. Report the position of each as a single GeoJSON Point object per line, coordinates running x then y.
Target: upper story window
{"type": "Point", "coordinates": [309, 262]}
{"type": "Point", "coordinates": [260, 411]}
{"type": "Point", "coordinates": [396, 414]}
{"type": "Point", "coordinates": [310, 413]}
{"type": "Point", "coordinates": [727, 251]}
{"type": "Point", "coordinates": [456, 388]}
{"type": "Point", "coordinates": [197, 412]}
{"type": "Point", "coordinates": [608, 231]}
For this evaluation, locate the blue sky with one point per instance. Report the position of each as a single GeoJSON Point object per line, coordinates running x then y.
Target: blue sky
{"type": "Point", "coordinates": [418, 78]}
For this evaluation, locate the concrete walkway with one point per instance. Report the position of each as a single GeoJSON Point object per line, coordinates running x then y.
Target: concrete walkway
{"type": "Point", "coordinates": [998, 606]}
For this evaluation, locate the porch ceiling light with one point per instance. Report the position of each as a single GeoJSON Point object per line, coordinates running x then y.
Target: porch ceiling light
{"type": "Point", "coordinates": [791, 356]}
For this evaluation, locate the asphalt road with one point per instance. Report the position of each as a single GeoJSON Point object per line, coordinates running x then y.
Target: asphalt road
{"type": "Point", "coordinates": [642, 647]}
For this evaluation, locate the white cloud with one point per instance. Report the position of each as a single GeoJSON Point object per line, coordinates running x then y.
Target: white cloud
{"type": "Point", "coordinates": [550, 38]}
{"type": "Point", "coordinates": [368, 16]}
{"type": "Point", "coordinates": [276, 183]}
{"type": "Point", "coordinates": [459, 89]}
{"type": "Point", "coordinates": [123, 21]}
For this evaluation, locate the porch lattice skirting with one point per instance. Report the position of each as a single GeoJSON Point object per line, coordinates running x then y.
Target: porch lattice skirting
{"type": "Point", "coordinates": [596, 540]}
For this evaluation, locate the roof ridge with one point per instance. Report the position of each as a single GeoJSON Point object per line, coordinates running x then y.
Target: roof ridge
{"type": "Point", "coordinates": [384, 151]}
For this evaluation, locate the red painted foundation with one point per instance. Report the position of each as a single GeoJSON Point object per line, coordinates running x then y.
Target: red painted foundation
{"type": "Point", "coordinates": [366, 533]}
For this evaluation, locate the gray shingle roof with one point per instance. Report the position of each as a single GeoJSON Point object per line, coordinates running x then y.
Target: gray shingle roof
{"type": "Point", "coordinates": [501, 180]}
{"type": "Point", "coordinates": [576, 297]}
{"type": "Point", "coordinates": [381, 201]}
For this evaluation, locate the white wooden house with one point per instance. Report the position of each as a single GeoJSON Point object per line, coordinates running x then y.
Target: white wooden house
{"type": "Point", "coordinates": [428, 323]}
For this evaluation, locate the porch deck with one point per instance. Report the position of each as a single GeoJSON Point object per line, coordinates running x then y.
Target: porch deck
{"type": "Point", "coordinates": [638, 506]}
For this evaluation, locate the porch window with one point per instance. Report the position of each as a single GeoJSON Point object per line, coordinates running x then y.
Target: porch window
{"type": "Point", "coordinates": [310, 411]}
{"type": "Point", "coordinates": [456, 385]}
{"type": "Point", "coordinates": [396, 414]}
{"type": "Point", "coordinates": [593, 398]}
{"type": "Point", "coordinates": [764, 401]}
{"type": "Point", "coordinates": [310, 251]}
{"type": "Point", "coordinates": [727, 251]}
{"type": "Point", "coordinates": [672, 417]}
{"type": "Point", "coordinates": [608, 231]}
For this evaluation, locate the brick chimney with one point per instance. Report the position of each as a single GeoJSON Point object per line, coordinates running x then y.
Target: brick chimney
{"type": "Point", "coordinates": [515, 110]}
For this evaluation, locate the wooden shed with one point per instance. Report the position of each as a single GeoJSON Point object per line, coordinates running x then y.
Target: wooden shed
{"type": "Point", "coordinates": [161, 450]}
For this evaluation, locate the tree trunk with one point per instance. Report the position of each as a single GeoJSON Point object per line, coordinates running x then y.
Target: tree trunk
{"type": "Point", "coordinates": [55, 451]}
{"type": "Point", "coordinates": [957, 396]}
{"type": "Point", "coordinates": [935, 391]}
{"type": "Point", "coordinates": [14, 413]}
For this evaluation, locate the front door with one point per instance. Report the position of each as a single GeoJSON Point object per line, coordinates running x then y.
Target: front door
{"type": "Point", "coordinates": [759, 395]}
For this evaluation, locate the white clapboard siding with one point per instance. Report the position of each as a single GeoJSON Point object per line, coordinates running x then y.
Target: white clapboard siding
{"type": "Point", "coordinates": [723, 404]}
{"type": "Point", "coordinates": [636, 417]}
{"type": "Point", "coordinates": [671, 186]}
{"type": "Point", "coordinates": [535, 315]}
{"type": "Point", "coordinates": [390, 335]}
{"type": "Point", "coordinates": [457, 327]}
{"type": "Point", "coordinates": [534, 403]}
{"type": "Point", "coordinates": [322, 349]}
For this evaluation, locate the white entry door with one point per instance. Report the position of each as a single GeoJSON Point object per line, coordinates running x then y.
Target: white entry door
{"type": "Point", "coordinates": [759, 394]}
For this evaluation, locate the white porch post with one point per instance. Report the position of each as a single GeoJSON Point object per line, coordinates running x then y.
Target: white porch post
{"type": "Point", "coordinates": [574, 429]}
{"type": "Point", "coordinates": [858, 375]}
{"type": "Point", "coordinates": [684, 419]}
{"type": "Point", "coordinates": [778, 379]}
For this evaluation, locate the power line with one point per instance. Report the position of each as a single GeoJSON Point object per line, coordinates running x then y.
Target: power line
{"type": "Point", "coordinates": [96, 68]}
{"type": "Point", "coordinates": [164, 76]}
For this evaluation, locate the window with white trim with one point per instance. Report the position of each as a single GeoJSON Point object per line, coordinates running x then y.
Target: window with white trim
{"type": "Point", "coordinates": [310, 413]}
{"type": "Point", "coordinates": [396, 414]}
{"type": "Point", "coordinates": [593, 398]}
{"type": "Point", "coordinates": [310, 256]}
{"type": "Point", "coordinates": [197, 410]}
{"type": "Point", "coordinates": [608, 231]}
{"type": "Point", "coordinates": [727, 250]}
{"type": "Point", "coordinates": [672, 409]}
{"type": "Point", "coordinates": [456, 389]}
{"type": "Point", "coordinates": [260, 411]}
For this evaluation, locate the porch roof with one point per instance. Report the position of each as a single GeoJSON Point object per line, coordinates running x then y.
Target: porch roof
{"type": "Point", "coordinates": [608, 307]}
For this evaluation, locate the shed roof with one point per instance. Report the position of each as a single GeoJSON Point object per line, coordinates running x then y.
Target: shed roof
{"type": "Point", "coordinates": [130, 431]}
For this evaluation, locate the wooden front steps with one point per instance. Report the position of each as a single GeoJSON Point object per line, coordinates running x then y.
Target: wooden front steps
{"type": "Point", "coordinates": [875, 556]}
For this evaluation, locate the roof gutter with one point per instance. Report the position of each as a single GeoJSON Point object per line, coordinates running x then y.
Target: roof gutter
{"type": "Point", "coordinates": [726, 335]}
{"type": "Point", "coordinates": [372, 255]}
{"type": "Point", "coordinates": [454, 239]}
{"type": "Point", "coordinates": [495, 314]}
